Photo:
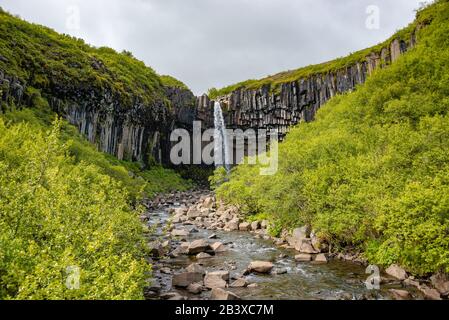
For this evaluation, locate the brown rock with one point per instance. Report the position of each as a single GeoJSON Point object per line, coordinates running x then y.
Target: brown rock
{"type": "Point", "coordinates": [195, 268]}
{"type": "Point", "coordinates": [180, 233]}
{"type": "Point", "coordinates": [183, 280]}
{"type": "Point", "coordinates": [219, 247]}
{"type": "Point", "coordinates": [244, 226]}
{"type": "Point", "coordinates": [441, 283]}
{"type": "Point", "coordinates": [255, 225]}
{"type": "Point", "coordinates": [305, 246]}
{"type": "Point", "coordinates": [400, 294]}
{"type": "Point", "coordinates": [430, 294]}
{"type": "Point", "coordinates": [297, 236]}
{"type": "Point", "coordinates": [195, 288]}
{"type": "Point", "coordinates": [321, 258]}
{"type": "Point", "coordinates": [260, 267]}
{"type": "Point", "coordinates": [217, 279]}
{"type": "Point", "coordinates": [233, 225]}
{"type": "Point", "coordinates": [396, 272]}
{"type": "Point", "coordinates": [239, 283]}
{"type": "Point", "coordinates": [198, 246]}
{"type": "Point", "coordinates": [223, 295]}
{"type": "Point", "coordinates": [303, 257]}
{"type": "Point", "coordinates": [203, 255]}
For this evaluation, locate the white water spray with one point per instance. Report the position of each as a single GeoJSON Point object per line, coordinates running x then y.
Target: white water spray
{"type": "Point", "coordinates": [221, 140]}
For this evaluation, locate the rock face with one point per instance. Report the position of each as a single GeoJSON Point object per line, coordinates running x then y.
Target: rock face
{"type": "Point", "coordinates": [299, 100]}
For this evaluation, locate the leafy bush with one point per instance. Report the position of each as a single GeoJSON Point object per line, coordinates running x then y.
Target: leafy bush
{"type": "Point", "coordinates": [372, 171]}
{"type": "Point", "coordinates": [56, 213]}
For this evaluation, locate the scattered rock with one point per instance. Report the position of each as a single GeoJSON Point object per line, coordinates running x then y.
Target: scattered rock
{"type": "Point", "coordinates": [219, 247]}
{"type": "Point", "coordinates": [239, 283]}
{"type": "Point", "coordinates": [400, 294]}
{"type": "Point", "coordinates": [233, 225]}
{"type": "Point", "coordinates": [213, 236]}
{"type": "Point", "coordinates": [223, 295]}
{"type": "Point", "coordinates": [198, 246]}
{"type": "Point", "coordinates": [441, 283]}
{"type": "Point", "coordinates": [216, 279]}
{"type": "Point", "coordinates": [321, 258]}
{"type": "Point", "coordinates": [255, 225]}
{"type": "Point", "coordinates": [260, 267]}
{"type": "Point", "coordinates": [298, 235]}
{"type": "Point", "coordinates": [245, 226]}
{"type": "Point", "coordinates": [396, 272]}
{"type": "Point", "coordinates": [303, 257]}
{"type": "Point", "coordinates": [183, 280]}
{"type": "Point", "coordinates": [264, 224]}
{"type": "Point", "coordinates": [195, 268]}
{"type": "Point", "coordinates": [195, 288]}
{"type": "Point", "coordinates": [180, 233]}
{"type": "Point", "coordinates": [430, 294]}
{"type": "Point", "coordinates": [170, 296]}
{"type": "Point", "coordinates": [305, 246]}
{"type": "Point", "coordinates": [411, 283]}
{"type": "Point", "coordinates": [203, 255]}
{"type": "Point", "coordinates": [208, 203]}
{"type": "Point", "coordinates": [280, 271]}
{"type": "Point", "coordinates": [253, 285]}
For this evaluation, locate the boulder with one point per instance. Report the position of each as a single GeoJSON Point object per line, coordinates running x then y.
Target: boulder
{"type": "Point", "coordinates": [183, 280]}
{"type": "Point", "coordinates": [195, 288]}
{"type": "Point", "coordinates": [239, 283]}
{"type": "Point", "coordinates": [264, 224]}
{"type": "Point", "coordinates": [303, 257]}
{"type": "Point", "coordinates": [216, 279]}
{"type": "Point", "coordinates": [397, 272]}
{"type": "Point", "coordinates": [305, 246]}
{"type": "Point", "coordinates": [193, 213]}
{"type": "Point", "coordinates": [321, 258]}
{"type": "Point", "coordinates": [430, 294]}
{"type": "Point", "coordinates": [195, 268]}
{"type": "Point", "coordinates": [156, 249]}
{"type": "Point", "coordinates": [233, 225]}
{"type": "Point", "coordinates": [400, 294]}
{"type": "Point", "coordinates": [203, 255]}
{"type": "Point", "coordinates": [244, 226]}
{"type": "Point", "coordinates": [198, 246]}
{"type": "Point", "coordinates": [180, 233]}
{"type": "Point", "coordinates": [181, 250]}
{"type": "Point", "coordinates": [260, 267]}
{"type": "Point", "coordinates": [298, 235]}
{"type": "Point", "coordinates": [255, 225]}
{"type": "Point", "coordinates": [223, 295]}
{"type": "Point", "coordinates": [219, 247]}
{"type": "Point", "coordinates": [209, 202]}
{"type": "Point", "coordinates": [180, 211]}
{"type": "Point", "coordinates": [213, 236]}
{"type": "Point", "coordinates": [441, 283]}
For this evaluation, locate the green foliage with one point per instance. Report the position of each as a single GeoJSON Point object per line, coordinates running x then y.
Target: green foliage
{"type": "Point", "coordinates": [169, 81]}
{"type": "Point", "coordinates": [44, 59]}
{"type": "Point", "coordinates": [372, 171]}
{"type": "Point", "coordinates": [56, 213]}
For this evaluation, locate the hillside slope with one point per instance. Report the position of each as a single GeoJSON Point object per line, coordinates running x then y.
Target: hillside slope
{"type": "Point", "coordinates": [67, 209]}
{"type": "Point", "coordinates": [372, 172]}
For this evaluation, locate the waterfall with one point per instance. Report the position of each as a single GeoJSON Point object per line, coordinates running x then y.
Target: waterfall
{"type": "Point", "coordinates": [220, 139]}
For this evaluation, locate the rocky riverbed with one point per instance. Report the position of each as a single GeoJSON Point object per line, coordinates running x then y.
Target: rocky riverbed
{"type": "Point", "coordinates": [201, 249]}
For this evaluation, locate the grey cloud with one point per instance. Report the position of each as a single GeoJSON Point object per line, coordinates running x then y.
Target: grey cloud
{"type": "Point", "coordinates": [213, 43]}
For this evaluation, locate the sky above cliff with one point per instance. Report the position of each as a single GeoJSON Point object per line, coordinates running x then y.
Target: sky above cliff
{"type": "Point", "coordinates": [214, 43]}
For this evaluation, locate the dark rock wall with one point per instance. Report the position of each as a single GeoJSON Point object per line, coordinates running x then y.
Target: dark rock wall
{"type": "Point", "coordinates": [299, 100]}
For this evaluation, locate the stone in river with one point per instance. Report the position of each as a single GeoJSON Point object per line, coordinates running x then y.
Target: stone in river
{"type": "Point", "coordinates": [203, 255]}
{"type": "Point", "coordinates": [321, 258]}
{"type": "Point", "coordinates": [195, 268]}
{"type": "Point", "coordinates": [180, 233]}
{"type": "Point", "coordinates": [198, 246]}
{"type": "Point", "coordinates": [183, 280]}
{"type": "Point", "coordinates": [239, 283]}
{"type": "Point", "coordinates": [400, 294]}
{"type": "Point", "coordinates": [244, 226]}
{"type": "Point", "coordinates": [219, 247]}
{"type": "Point", "coordinates": [216, 279]}
{"type": "Point", "coordinates": [195, 288]}
{"type": "Point", "coordinates": [223, 295]}
{"type": "Point", "coordinates": [303, 257]}
{"type": "Point", "coordinates": [260, 267]}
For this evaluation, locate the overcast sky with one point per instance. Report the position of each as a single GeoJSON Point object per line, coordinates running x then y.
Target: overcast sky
{"type": "Point", "coordinates": [213, 43]}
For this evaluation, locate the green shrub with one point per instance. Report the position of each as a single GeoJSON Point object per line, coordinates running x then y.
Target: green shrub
{"type": "Point", "coordinates": [372, 171]}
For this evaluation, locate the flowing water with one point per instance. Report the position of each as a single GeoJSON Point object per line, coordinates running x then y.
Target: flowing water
{"type": "Point", "coordinates": [220, 139]}
{"type": "Point", "coordinates": [302, 281]}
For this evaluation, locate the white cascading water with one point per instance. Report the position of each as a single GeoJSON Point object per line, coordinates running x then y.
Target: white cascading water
{"type": "Point", "coordinates": [220, 139]}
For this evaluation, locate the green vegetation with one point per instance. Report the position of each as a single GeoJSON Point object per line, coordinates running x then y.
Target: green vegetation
{"type": "Point", "coordinates": [274, 82]}
{"type": "Point", "coordinates": [44, 59]}
{"type": "Point", "coordinates": [372, 172]}
{"type": "Point", "coordinates": [63, 204]}
{"type": "Point", "coordinates": [169, 81]}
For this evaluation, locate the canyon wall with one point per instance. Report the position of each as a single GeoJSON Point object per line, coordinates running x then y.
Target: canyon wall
{"type": "Point", "coordinates": [299, 100]}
